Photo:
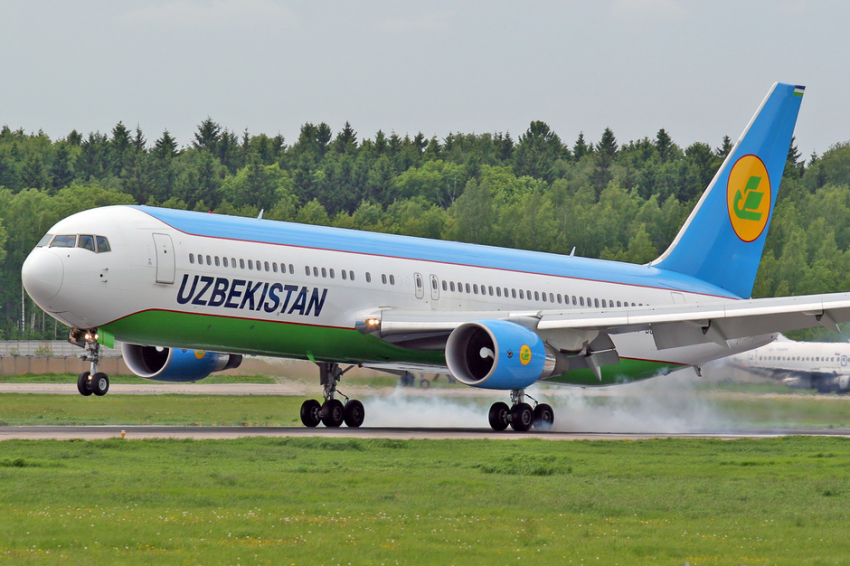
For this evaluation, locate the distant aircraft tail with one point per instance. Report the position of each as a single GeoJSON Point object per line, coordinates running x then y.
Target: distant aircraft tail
{"type": "Point", "coordinates": [723, 238]}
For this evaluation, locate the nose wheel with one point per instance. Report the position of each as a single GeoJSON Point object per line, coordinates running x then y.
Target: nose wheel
{"type": "Point", "coordinates": [92, 381]}
{"type": "Point", "coordinates": [520, 416]}
{"type": "Point", "coordinates": [332, 413]}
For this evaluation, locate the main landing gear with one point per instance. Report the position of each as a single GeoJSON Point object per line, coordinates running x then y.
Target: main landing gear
{"type": "Point", "coordinates": [92, 381]}
{"type": "Point", "coordinates": [520, 416]}
{"type": "Point", "coordinates": [332, 413]}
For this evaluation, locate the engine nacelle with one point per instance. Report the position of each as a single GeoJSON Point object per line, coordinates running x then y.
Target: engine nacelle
{"type": "Point", "coordinates": [176, 364]}
{"type": "Point", "coordinates": [497, 354]}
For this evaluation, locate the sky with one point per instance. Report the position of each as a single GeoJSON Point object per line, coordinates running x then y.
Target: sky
{"type": "Point", "coordinates": [699, 69]}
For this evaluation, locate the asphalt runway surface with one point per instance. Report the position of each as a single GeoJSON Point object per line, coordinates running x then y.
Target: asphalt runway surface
{"type": "Point", "coordinates": [200, 433]}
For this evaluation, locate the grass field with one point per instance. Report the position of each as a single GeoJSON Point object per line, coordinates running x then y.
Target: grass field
{"type": "Point", "coordinates": [316, 501]}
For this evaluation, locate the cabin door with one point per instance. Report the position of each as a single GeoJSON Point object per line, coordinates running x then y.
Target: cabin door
{"type": "Point", "coordinates": [164, 258]}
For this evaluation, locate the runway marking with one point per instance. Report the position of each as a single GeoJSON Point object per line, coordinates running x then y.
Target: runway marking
{"type": "Point", "coordinates": [199, 433]}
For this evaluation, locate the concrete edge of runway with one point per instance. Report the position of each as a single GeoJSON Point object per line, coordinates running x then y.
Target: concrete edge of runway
{"type": "Point", "coordinates": [139, 432]}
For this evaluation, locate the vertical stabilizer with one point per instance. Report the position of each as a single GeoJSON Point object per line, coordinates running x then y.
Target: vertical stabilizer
{"type": "Point", "coordinates": [723, 238]}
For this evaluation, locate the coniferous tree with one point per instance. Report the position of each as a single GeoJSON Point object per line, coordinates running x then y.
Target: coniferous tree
{"type": "Point", "coordinates": [581, 147]}
{"type": "Point", "coordinates": [61, 169]}
{"type": "Point", "coordinates": [724, 148]}
{"type": "Point", "coordinates": [118, 148]}
{"type": "Point", "coordinates": [207, 136]}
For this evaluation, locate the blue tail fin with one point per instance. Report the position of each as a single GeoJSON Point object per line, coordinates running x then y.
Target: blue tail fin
{"type": "Point", "coordinates": [723, 238]}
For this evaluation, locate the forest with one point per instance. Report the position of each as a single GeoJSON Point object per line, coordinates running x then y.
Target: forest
{"type": "Point", "coordinates": [606, 198]}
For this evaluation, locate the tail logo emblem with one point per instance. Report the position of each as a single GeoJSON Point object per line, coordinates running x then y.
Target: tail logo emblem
{"type": "Point", "coordinates": [748, 197]}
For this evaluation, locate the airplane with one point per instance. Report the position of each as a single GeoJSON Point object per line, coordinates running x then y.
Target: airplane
{"type": "Point", "coordinates": [190, 293]}
{"type": "Point", "coordinates": [824, 366]}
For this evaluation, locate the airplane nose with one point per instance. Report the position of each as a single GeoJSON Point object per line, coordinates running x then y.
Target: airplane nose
{"type": "Point", "coordinates": [42, 274]}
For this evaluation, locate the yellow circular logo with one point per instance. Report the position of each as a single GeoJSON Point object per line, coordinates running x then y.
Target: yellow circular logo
{"type": "Point", "coordinates": [748, 197]}
{"type": "Point", "coordinates": [200, 354]}
{"type": "Point", "coordinates": [524, 355]}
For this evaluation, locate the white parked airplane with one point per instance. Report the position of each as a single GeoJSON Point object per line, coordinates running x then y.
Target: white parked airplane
{"type": "Point", "coordinates": [176, 286]}
{"type": "Point", "coordinates": [802, 365]}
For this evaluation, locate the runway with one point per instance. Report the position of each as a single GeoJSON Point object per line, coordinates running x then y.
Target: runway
{"type": "Point", "coordinates": [205, 433]}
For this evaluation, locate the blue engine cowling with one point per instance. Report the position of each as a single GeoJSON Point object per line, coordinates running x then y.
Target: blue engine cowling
{"type": "Point", "coordinates": [497, 354]}
{"type": "Point", "coordinates": [176, 365]}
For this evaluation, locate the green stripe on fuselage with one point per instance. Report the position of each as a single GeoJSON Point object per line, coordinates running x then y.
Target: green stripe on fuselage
{"type": "Point", "coordinates": [301, 341]}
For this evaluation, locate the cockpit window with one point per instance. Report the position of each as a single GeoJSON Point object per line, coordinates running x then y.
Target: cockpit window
{"type": "Point", "coordinates": [68, 241]}
{"type": "Point", "coordinates": [44, 240]}
{"type": "Point", "coordinates": [103, 245]}
{"type": "Point", "coordinates": [86, 242]}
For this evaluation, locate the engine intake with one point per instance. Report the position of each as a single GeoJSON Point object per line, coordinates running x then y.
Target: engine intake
{"type": "Point", "coordinates": [177, 365]}
{"type": "Point", "coordinates": [498, 354]}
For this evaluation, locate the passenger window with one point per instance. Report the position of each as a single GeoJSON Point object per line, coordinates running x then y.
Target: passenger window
{"type": "Point", "coordinates": [521, 294]}
{"type": "Point", "coordinates": [536, 296]}
{"type": "Point", "coordinates": [544, 297]}
{"type": "Point", "coordinates": [618, 303]}
{"type": "Point", "coordinates": [383, 278]}
{"type": "Point", "coordinates": [274, 265]}
{"type": "Point", "coordinates": [490, 290]}
{"type": "Point", "coordinates": [344, 275]}
{"type": "Point", "coordinates": [251, 265]}
{"type": "Point", "coordinates": [217, 262]}
{"type": "Point", "coordinates": [392, 280]}
{"type": "Point", "coordinates": [596, 303]}
{"type": "Point", "coordinates": [445, 285]}
{"type": "Point", "coordinates": [209, 260]}
{"type": "Point", "coordinates": [433, 282]}
{"type": "Point", "coordinates": [86, 242]}
{"type": "Point", "coordinates": [266, 265]}
{"type": "Point", "coordinates": [574, 300]}
{"type": "Point", "coordinates": [467, 287]}
{"type": "Point", "coordinates": [452, 285]}
{"type": "Point", "coordinates": [603, 304]}
{"type": "Point", "coordinates": [242, 264]}
{"type": "Point", "coordinates": [191, 258]}
{"type": "Point", "coordinates": [513, 293]}
{"type": "Point", "coordinates": [68, 241]}
{"type": "Point", "coordinates": [315, 271]}
{"type": "Point", "coordinates": [559, 298]}
{"type": "Point", "coordinates": [475, 288]}
{"type": "Point", "coordinates": [224, 259]}
{"type": "Point", "coordinates": [528, 294]}
{"type": "Point", "coordinates": [351, 275]}
{"type": "Point", "coordinates": [552, 298]}
{"type": "Point", "coordinates": [498, 291]}
{"type": "Point", "coordinates": [581, 300]}
{"type": "Point", "coordinates": [368, 277]}
{"type": "Point", "coordinates": [291, 269]}
{"type": "Point", "coordinates": [324, 272]}
{"type": "Point", "coordinates": [233, 261]}
{"type": "Point", "coordinates": [332, 273]}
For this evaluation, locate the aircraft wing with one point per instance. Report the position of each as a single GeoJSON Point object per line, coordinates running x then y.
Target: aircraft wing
{"type": "Point", "coordinates": [672, 326]}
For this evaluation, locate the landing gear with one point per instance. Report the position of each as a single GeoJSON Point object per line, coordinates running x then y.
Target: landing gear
{"type": "Point", "coordinates": [90, 381]}
{"type": "Point", "coordinates": [520, 416]}
{"type": "Point", "coordinates": [332, 413]}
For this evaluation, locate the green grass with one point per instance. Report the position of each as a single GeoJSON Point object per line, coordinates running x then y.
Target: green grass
{"type": "Point", "coordinates": [199, 410]}
{"type": "Point", "coordinates": [128, 379]}
{"type": "Point", "coordinates": [320, 501]}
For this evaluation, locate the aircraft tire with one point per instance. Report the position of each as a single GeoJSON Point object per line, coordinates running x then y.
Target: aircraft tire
{"type": "Point", "coordinates": [311, 413]}
{"type": "Point", "coordinates": [522, 417]}
{"type": "Point", "coordinates": [333, 413]}
{"type": "Point", "coordinates": [499, 416]}
{"type": "Point", "coordinates": [83, 384]}
{"type": "Point", "coordinates": [100, 384]}
{"type": "Point", "coordinates": [544, 417]}
{"type": "Point", "coordinates": [354, 414]}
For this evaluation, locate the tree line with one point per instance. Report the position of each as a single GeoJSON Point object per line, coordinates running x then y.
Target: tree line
{"type": "Point", "coordinates": [606, 199]}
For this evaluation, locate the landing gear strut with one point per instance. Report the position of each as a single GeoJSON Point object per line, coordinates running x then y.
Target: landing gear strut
{"type": "Point", "coordinates": [332, 413]}
{"type": "Point", "coordinates": [520, 416]}
{"type": "Point", "coordinates": [92, 381]}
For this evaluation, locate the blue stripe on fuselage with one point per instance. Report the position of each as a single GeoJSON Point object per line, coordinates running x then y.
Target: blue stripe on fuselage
{"type": "Point", "coordinates": [390, 245]}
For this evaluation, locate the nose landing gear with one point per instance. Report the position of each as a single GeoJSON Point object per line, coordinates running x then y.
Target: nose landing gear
{"type": "Point", "coordinates": [92, 381]}
{"type": "Point", "coordinates": [520, 416]}
{"type": "Point", "coordinates": [332, 413]}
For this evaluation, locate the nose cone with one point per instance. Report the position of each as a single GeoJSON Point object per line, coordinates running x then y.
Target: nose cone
{"type": "Point", "coordinates": [42, 274]}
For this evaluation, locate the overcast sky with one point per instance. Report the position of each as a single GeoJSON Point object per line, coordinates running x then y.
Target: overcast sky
{"type": "Point", "coordinates": [697, 68]}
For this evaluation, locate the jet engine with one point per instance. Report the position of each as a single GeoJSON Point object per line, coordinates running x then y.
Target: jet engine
{"type": "Point", "coordinates": [176, 364]}
{"type": "Point", "coordinates": [498, 354]}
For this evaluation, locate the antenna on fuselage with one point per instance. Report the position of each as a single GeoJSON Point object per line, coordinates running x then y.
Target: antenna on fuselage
{"type": "Point", "coordinates": [573, 252]}
{"type": "Point", "coordinates": [260, 216]}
